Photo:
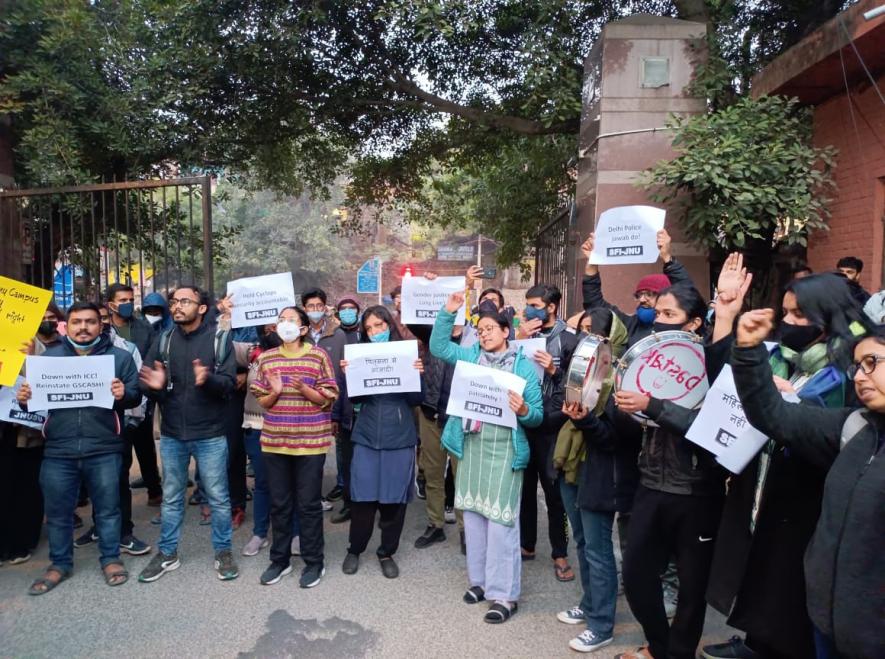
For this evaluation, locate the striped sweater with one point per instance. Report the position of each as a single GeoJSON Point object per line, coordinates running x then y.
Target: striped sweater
{"type": "Point", "coordinates": [295, 425]}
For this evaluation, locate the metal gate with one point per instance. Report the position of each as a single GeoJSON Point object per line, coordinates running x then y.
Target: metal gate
{"type": "Point", "coordinates": [555, 256]}
{"type": "Point", "coordinates": [77, 240]}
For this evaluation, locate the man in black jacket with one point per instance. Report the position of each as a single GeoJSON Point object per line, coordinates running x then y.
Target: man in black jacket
{"type": "Point", "coordinates": [190, 372]}
{"type": "Point", "coordinates": [85, 443]}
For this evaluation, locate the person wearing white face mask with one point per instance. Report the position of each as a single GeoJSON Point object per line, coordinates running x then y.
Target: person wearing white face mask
{"type": "Point", "coordinates": [155, 311]}
{"type": "Point", "coordinates": [296, 385]}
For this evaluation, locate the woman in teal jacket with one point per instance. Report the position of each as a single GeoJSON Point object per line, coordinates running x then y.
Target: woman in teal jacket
{"type": "Point", "coordinates": [488, 483]}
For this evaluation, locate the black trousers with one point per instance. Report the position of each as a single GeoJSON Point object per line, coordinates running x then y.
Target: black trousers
{"type": "Point", "coordinates": [537, 470]}
{"type": "Point", "coordinates": [295, 482]}
{"type": "Point", "coordinates": [346, 444]}
{"type": "Point", "coordinates": [146, 454]}
{"type": "Point", "coordinates": [236, 451]}
{"type": "Point", "coordinates": [661, 525]}
{"type": "Point", "coordinates": [362, 521]}
{"type": "Point", "coordinates": [21, 516]}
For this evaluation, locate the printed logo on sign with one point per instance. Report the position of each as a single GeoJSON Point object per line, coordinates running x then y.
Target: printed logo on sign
{"type": "Point", "coordinates": [424, 313]}
{"type": "Point", "coordinates": [70, 398]}
{"type": "Point", "coordinates": [21, 415]}
{"type": "Point", "coordinates": [725, 438]}
{"type": "Point", "coordinates": [381, 382]}
{"type": "Point", "coordinates": [624, 251]}
{"type": "Point", "coordinates": [482, 408]}
{"type": "Point", "coordinates": [261, 313]}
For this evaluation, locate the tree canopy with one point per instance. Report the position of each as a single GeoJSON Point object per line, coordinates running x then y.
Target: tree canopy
{"type": "Point", "coordinates": [455, 112]}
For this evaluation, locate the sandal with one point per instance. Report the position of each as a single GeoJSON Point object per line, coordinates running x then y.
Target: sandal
{"type": "Point", "coordinates": [117, 578]}
{"type": "Point", "coordinates": [44, 584]}
{"type": "Point", "coordinates": [499, 613]}
{"type": "Point", "coordinates": [474, 595]}
{"type": "Point", "coordinates": [563, 570]}
{"type": "Point", "coordinates": [205, 515]}
{"type": "Point", "coordinates": [527, 555]}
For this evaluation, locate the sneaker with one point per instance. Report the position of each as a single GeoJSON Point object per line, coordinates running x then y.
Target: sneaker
{"type": "Point", "coordinates": [225, 566]}
{"type": "Point", "coordinates": [431, 535]}
{"type": "Point", "coordinates": [351, 563]}
{"type": "Point", "coordinates": [156, 520]}
{"type": "Point", "coordinates": [20, 559]}
{"type": "Point", "coordinates": [335, 493]}
{"type": "Point", "coordinates": [237, 517]}
{"type": "Point", "coordinates": [87, 538]}
{"type": "Point", "coordinates": [311, 575]}
{"type": "Point", "coordinates": [574, 616]}
{"type": "Point", "coordinates": [133, 546]}
{"type": "Point", "coordinates": [589, 642]}
{"type": "Point", "coordinates": [732, 649]}
{"type": "Point", "coordinates": [421, 485]}
{"type": "Point", "coordinates": [671, 600]}
{"type": "Point", "coordinates": [160, 564]}
{"type": "Point", "coordinates": [327, 506]}
{"type": "Point", "coordinates": [274, 573]}
{"type": "Point", "coordinates": [255, 545]}
{"type": "Point", "coordinates": [295, 546]}
{"type": "Point", "coordinates": [341, 516]}
{"type": "Point", "coordinates": [450, 515]}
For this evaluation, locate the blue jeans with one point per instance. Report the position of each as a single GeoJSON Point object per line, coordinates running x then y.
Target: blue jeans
{"type": "Point", "coordinates": [60, 481]}
{"type": "Point", "coordinates": [824, 646]}
{"type": "Point", "coordinates": [211, 457]}
{"type": "Point", "coordinates": [570, 503]}
{"type": "Point", "coordinates": [261, 494]}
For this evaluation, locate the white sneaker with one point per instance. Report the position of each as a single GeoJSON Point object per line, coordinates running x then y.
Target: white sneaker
{"type": "Point", "coordinates": [589, 642]}
{"type": "Point", "coordinates": [574, 616]}
{"type": "Point", "coordinates": [327, 506]}
{"type": "Point", "coordinates": [255, 545]}
{"type": "Point", "coordinates": [296, 546]}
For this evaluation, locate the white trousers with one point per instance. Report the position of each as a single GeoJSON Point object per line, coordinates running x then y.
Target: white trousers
{"type": "Point", "coordinates": [494, 562]}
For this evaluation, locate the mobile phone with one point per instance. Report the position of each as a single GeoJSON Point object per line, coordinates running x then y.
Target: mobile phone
{"type": "Point", "coordinates": [489, 273]}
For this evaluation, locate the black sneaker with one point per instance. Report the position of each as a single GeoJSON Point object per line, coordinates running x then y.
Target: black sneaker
{"type": "Point", "coordinates": [311, 575]}
{"type": "Point", "coordinates": [274, 573]}
{"type": "Point", "coordinates": [133, 546]}
{"type": "Point", "coordinates": [335, 493]}
{"type": "Point", "coordinates": [87, 538]}
{"type": "Point", "coordinates": [431, 535]}
{"type": "Point", "coordinates": [225, 565]}
{"type": "Point", "coordinates": [732, 649]}
{"type": "Point", "coordinates": [421, 485]}
{"type": "Point", "coordinates": [159, 565]}
{"type": "Point", "coordinates": [341, 516]}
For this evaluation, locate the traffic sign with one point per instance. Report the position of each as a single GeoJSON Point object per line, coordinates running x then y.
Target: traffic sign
{"type": "Point", "coordinates": [367, 277]}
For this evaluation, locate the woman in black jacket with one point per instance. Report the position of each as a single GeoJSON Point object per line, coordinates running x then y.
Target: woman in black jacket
{"type": "Point", "coordinates": [382, 469]}
{"type": "Point", "coordinates": [844, 566]}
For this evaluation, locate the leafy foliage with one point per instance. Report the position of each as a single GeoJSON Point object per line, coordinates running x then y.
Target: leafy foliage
{"type": "Point", "coordinates": [746, 172]}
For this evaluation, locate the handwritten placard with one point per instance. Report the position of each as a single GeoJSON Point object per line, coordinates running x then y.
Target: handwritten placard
{"type": "Point", "coordinates": [21, 310]}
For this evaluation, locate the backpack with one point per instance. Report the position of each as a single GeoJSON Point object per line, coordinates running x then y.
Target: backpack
{"type": "Point", "coordinates": [854, 424]}
{"type": "Point", "coordinates": [222, 346]}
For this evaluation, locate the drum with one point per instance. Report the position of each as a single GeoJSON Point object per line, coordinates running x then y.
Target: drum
{"type": "Point", "coordinates": [667, 366]}
{"type": "Point", "coordinates": [591, 363]}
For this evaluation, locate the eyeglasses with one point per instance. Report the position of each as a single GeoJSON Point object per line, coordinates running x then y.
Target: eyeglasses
{"type": "Point", "coordinates": [648, 295]}
{"type": "Point", "coordinates": [183, 302]}
{"type": "Point", "coordinates": [482, 331]}
{"type": "Point", "coordinates": [867, 364]}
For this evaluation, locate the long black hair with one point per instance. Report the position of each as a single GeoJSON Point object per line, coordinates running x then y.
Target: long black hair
{"type": "Point", "coordinates": [382, 313]}
{"type": "Point", "coordinates": [690, 301]}
{"type": "Point", "coordinates": [826, 301]}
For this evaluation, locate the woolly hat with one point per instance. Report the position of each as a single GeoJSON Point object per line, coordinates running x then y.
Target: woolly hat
{"type": "Point", "coordinates": [653, 283]}
{"type": "Point", "coordinates": [348, 300]}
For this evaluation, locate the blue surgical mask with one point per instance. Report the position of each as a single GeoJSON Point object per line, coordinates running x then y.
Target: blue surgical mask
{"type": "Point", "coordinates": [316, 316]}
{"type": "Point", "coordinates": [380, 337]}
{"type": "Point", "coordinates": [347, 316]}
{"type": "Point", "coordinates": [84, 346]}
{"type": "Point", "coordinates": [531, 313]}
{"type": "Point", "coordinates": [646, 315]}
{"type": "Point", "coordinates": [125, 310]}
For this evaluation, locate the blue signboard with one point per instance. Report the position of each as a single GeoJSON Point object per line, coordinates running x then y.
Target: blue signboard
{"type": "Point", "coordinates": [367, 277]}
{"type": "Point", "coordinates": [63, 285]}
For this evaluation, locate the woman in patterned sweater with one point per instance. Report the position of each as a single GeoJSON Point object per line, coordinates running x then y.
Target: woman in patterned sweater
{"type": "Point", "coordinates": [296, 385]}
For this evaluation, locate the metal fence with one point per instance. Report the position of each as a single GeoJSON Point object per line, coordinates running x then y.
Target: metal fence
{"type": "Point", "coordinates": [555, 256]}
{"type": "Point", "coordinates": [77, 240]}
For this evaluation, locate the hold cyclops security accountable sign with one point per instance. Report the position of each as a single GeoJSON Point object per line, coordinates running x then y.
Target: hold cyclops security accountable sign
{"type": "Point", "coordinates": [62, 382]}
{"type": "Point", "coordinates": [259, 300]}
{"type": "Point", "coordinates": [382, 368]}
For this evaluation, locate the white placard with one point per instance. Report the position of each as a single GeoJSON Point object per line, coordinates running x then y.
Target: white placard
{"type": "Point", "coordinates": [722, 428]}
{"type": "Point", "coordinates": [381, 368]}
{"type": "Point", "coordinates": [60, 382]}
{"type": "Point", "coordinates": [529, 348]}
{"type": "Point", "coordinates": [480, 392]}
{"type": "Point", "coordinates": [259, 300]}
{"type": "Point", "coordinates": [628, 234]}
{"type": "Point", "coordinates": [422, 298]}
{"type": "Point", "coordinates": [12, 412]}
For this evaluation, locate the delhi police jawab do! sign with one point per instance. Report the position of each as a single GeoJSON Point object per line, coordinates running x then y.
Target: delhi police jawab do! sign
{"type": "Point", "coordinates": [627, 234]}
{"type": "Point", "coordinates": [422, 298]}
{"type": "Point", "coordinates": [62, 382]}
{"type": "Point", "coordinates": [382, 368]}
{"type": "Point", "coordinates": [259, 300]}
{"type": "Point", "coordinates": [481, 393]}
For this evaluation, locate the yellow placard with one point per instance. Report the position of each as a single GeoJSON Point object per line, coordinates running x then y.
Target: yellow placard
{"type": "Point", "coordinates": [21, 310]}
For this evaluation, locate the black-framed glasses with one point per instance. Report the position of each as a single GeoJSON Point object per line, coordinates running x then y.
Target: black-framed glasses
{"type": "Point", "coordinates": [867, 364]}
{"type": "Point", "coordinates": [183, 302]}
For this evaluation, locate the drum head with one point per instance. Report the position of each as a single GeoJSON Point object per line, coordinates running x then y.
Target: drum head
{"type": "Point", "coordinates": [667, 366]}
{"type": "Point", "coordinates": [591, 363]}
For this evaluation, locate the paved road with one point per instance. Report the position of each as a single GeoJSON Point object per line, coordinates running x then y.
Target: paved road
{"type": "Point", "coordinates": [190, 613]}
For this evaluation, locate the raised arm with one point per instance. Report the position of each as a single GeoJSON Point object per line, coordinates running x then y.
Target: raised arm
{"type": "Point", "coordinates": [441, 345]}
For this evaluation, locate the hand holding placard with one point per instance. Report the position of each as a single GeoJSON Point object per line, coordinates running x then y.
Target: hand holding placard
{"type": "Point", "coordinates": [629, 234]}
